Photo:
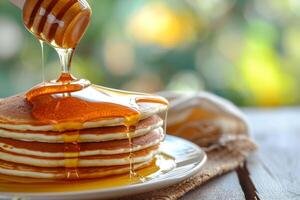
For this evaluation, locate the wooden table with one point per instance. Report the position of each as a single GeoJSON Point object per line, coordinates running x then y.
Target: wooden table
{"type": "Point", "coordinates": [274, 170]}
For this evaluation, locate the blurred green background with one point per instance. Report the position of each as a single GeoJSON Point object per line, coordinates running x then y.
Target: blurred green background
{"type": "Point", "coordinates": [245, 50]}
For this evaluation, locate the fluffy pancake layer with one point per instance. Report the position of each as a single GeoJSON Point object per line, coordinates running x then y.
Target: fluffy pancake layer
{"type": "Point", "coordinates": [15, 114]}
{"type": "Point", "coordinates": [10, 168]}
{"type": "Point", "coordinates": [86, 161]}
{"type": "Point", "coordinates": [63, 150]}
{"type": "Point", "coordinates": [85, 135]}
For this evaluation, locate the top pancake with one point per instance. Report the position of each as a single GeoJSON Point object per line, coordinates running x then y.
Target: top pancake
{"type": "Point", "coordinates": [15, 114]}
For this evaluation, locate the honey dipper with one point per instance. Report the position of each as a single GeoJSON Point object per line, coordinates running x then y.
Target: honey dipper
{"type": "Point", "coordinates": [60, 23]}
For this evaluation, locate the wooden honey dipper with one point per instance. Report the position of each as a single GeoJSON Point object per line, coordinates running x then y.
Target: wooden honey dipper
{"type": "Point", "coordinates": [60, 23]}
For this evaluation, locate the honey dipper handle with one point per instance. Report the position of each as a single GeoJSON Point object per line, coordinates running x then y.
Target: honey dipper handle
{"type": "Point", "coordinates": [18, 3]}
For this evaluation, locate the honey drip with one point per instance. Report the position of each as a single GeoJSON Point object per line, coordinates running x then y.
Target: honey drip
{"type": "Point", "coordinates": [43, 60]}
{"type": "Point", "coordinates": [128, 134]}
{"type": "Point", "coordinates": [132, 173]}
{"type": "Point", "coordinates": [69, 103]}
{"type": "Point", "coordinates": [71, 144]}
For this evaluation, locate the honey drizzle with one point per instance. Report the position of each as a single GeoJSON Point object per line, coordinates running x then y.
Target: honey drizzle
{"type": "Point", "coordinates": [71, 141]}
{"type": "Point", "coordinates": [43, 60]}
{"type": "Point", "coordinates": [65, 57]}
{"type": "Point", "coordinates": [130, 157]}
{"type": "Point", "coordinates": [68, 103]}
{"type": "Point", "coordinates": [72, 149]}
{"type": "Point", "coordinates": [130, 125]}
{"type": "Point", "coordinates": [165, 117]}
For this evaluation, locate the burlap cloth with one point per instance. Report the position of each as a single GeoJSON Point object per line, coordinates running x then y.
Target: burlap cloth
{"type": "Point", "coordinates": [214, 124]}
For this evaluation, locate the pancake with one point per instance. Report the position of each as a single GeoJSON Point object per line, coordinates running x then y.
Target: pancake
{"type": "Point", "coordinates": [20, 170]}
{"type": "Point", "coordinates": [15, 114]}
{"type": "Point", "coordinates": [92, 149]}
{"type": "Point", "coordinates": [85, 135]}
{"type": "Point", "coordinates": [152, 138]}
{"type": "Point", "coordinates": [85, 161]}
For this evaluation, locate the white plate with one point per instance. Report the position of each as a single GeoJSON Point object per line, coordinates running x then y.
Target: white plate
{"type": "Point", "coordinates": [189, 159]}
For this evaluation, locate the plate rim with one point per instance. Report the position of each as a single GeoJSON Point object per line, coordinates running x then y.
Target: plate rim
{"type": "Point", "coordinates": [165, 182]}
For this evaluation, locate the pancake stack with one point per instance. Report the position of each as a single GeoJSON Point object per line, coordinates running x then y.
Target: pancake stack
{"type": "Point", "coordinates": [31, 148]}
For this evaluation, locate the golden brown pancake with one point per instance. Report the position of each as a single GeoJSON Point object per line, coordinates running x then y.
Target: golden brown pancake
{"type": "Point", "coordinates": [85, 161]}
{"type": "Point", "coordinates": [21, 170]}
{"type": "Point", "coordinates": [15, 114]}
{"type": "Point", "coordinates": [152, 138]}
{"type": "Point", "coordinates": [85, 135]}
